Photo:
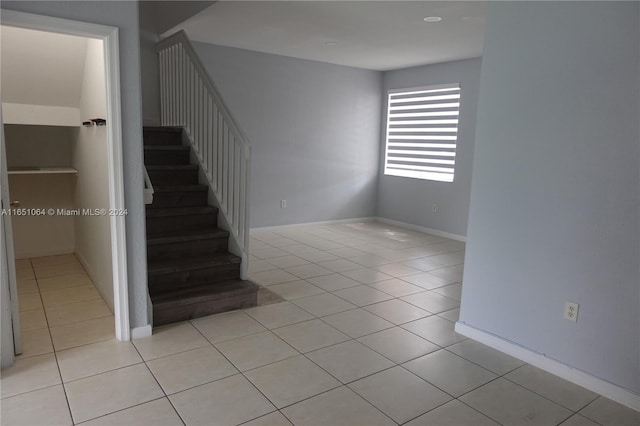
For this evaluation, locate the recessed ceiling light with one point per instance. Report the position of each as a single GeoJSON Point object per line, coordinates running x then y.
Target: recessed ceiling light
{"type": "Point", "coordinates": [330, 43]}
{"type": "Point", "coordinates": [432, 19]}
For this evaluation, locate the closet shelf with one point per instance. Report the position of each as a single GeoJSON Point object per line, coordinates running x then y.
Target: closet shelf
{"type": "Point", "coordinates": [42, 170]}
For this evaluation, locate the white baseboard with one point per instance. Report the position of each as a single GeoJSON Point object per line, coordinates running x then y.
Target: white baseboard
{"type": "Point", "coordinates": [370, 219]}
{"type": "Point", "coordinates": [324, 222]}
{"type": "Point", "coordinates": [140, 332]}
{"type": "Point", "coordinates": [46, 252]}
{"type": "Point", "coordinates": [580, 378]}
{"type": "Point", "coordinates": [423, 229]}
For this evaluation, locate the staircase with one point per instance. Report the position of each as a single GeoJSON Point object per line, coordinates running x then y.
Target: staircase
{"type": "Point", "coordinates": [190, 271]}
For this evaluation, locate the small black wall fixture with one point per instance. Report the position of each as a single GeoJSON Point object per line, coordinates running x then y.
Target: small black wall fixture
{"type": "Point", "coordinates": [96, 121]}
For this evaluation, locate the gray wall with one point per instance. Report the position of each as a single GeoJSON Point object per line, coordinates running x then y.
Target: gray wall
{"type": "Point", "coordinates": [149, 67]}
{"type": "Point", "coordinates": [554, 211]}
{"type": "Point", "coordinates": [93, 243]}
{"type": "Point", "coordinates": [314, 131]}
{"type": "Point", "coordinates": [156, 17]}
{"type": "Point", "coordinates": [124, 15]}
{"type": "Point", "coordinates": [171, 13]}
{"type": "Point", "coordinates": [410, 200]}
{"type": "Point", "coordinates": [42, 146]}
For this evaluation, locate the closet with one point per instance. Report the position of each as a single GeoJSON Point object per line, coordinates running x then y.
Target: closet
{"type": "Point", "coordinates": [52, 84]}
{"type": "Point", "coordinates": [41, 178]}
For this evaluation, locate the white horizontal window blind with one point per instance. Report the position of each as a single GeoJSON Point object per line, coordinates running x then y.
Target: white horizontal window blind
{"type": "Point", "coordinates": [422, 131]}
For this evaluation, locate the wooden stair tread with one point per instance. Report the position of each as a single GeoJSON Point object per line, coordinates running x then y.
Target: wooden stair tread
{"type": "Point", "coordinates": [165, 129]}
{"type": "Point", "coordinates": [181, 211]}
{"type": "Point", "coordinates": [180, 236]}
{"type": "Point", "coordinates": [171, 167]}
{"type": "Point", "coordinates": [166, 148]}
{"type": "Point", "coordinates": [178, 265]}
{"type": "Point", "coordinates": [190, 272]}
{"type": "Point", "coordinates": [201, 293]}
{"type": "Point", "coordinates": [180, 188]}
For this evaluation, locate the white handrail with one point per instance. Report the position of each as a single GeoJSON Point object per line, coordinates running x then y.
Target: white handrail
{"type": "Point", "coordinates": [190, 99]}
{"type": "Point", "coordinates": [148, 188]}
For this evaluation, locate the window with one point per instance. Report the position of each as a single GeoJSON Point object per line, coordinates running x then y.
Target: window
{"type": "Point", "coordinates": [422, 130]}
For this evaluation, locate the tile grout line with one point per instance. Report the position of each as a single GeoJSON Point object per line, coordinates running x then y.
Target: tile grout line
{"type": "Point", "coordinates": [166, 396]}
{"type": "Point", "coordinates": [477, 411]}
{"type": "Point", "coordinates": [239, 371]}
{"type": "Point", "coordinates": [313, 238]}
{"type": "Point", "coordinates": [54, 350]}
{"type": "Point", "coordinates": [342, 384]}
{"type": "Point", "coordinates": [369, 285]}
{"type": "Point", "coordinates": [395, 325]}
{"type": "Point", "coordinates": [117, 411]}
{"type": "Point", "coordinates": [55, 354]}
{"type": "Point", "coordinates": [543, 396]}
{"type": "Point", "coordinates": [368, 334]}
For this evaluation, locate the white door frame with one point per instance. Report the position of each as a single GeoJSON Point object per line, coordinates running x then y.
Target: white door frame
{"type": "Point", "coordinates": [109, 36]}
{"type": "Point", "coordinates": [11, 340]}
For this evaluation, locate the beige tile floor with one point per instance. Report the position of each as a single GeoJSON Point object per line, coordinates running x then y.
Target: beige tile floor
{"type": "Point", "coordinates": [364, 337]}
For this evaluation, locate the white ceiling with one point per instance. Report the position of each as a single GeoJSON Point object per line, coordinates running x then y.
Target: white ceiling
{"type": "Point", "coordinates": [41, 68]}
{"type": "Point", "coordinates": [377, 35]}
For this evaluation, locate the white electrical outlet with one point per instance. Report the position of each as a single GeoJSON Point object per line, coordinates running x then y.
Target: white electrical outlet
{"type": "Point", "coordinates": [434, 208]}
{"type": "Point", "coordinates": [283, 204]}
{"type": "Point", "coordinates": [571, 311]}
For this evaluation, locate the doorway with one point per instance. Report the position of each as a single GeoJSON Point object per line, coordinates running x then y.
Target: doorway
{"type": "Point", "coordinates": [103, 42]}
